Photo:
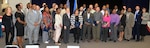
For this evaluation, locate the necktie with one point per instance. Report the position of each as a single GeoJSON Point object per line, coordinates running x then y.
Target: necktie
{"type": "Point", "coordinates": [135, 17]}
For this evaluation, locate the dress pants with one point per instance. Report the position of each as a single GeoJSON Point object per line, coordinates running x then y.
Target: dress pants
{"type": "Point", "coordinates": [26, 32]}
{"type": "Point", "coordinates": [87, 32]}
{"type": "Point", "coordinates": [45, 36]}
{"type": "Point", "coordinates": [9, 31]}
{"type": "Point", "coordinates": [66, 35]}
{"type": "Point", "coordinates": [81, 33]}
{"type": "Point", "coordinates": [113, 34]}
{"type": "Point", "coordinates": [136, 32]}
{"type": "Point", "coordinates": [128, 32]}
{"type": "Point", "coordinates": [33, 34]}
{"type": "Point", "coordinates": [96, 31]}
{"type": "Point", "coordinates": [76, 34]}
{"type": "Point", "coordinates": [104, 34]}
{"type": "Point", "coordinates": [15, 35]}
{"type": "Point", "coordinates": [57, 33]}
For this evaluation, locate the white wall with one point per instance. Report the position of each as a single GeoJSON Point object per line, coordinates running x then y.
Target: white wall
{"type": "Point", "coordinates": [149, 6]}
{"type": "Point", "coordinates": [1, 1]}
{"type": "Point", "coordinates": [13, 3]}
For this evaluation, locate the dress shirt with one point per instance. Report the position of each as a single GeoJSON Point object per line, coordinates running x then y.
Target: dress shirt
{"type": "Point", "coordinates": [136, 12]}
{"type": "Point", "coordinates": [115, 18]}
{"type": "Point", "coordinates": [88, 15]}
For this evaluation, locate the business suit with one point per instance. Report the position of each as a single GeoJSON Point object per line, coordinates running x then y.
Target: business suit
{"type": "Point", "coordinates": [66, 22]}
{"type": "Point", "coordinates": [33, 17]}
{"type": "Point", "coordinates": [88, 21]}
{"type": "Point", "coordinates": [129, 25]}
{"type": "Point", "coordinates": [137, 25]}
{"type": "Point", "coordinates": [96, 29]}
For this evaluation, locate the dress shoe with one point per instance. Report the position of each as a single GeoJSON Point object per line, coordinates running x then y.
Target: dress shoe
{"type": "Point", "coordinates": [36, 44]}
{"type": "Point", "coordinates": [75, 41]}
{"type": "Point", "coordinates": [115, 41]}
{"type": "Point", "coordinates": [132, 38]}
{"type": "Point", "coordinates": [137, 40]}
{"type": "Point", "coordinates": [105, 41]}
{"type": "Point", "coordinates": [78, 42]}
{"type": "Point", "coordinates": [128, 40]}
{"type": "Point", "coordinates": [110, 39]}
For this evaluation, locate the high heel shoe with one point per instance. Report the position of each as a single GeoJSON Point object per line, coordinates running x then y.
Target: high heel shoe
{"type": "Point", "coordinates": [56, 43]}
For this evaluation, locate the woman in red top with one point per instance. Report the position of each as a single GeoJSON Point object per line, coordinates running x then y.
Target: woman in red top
{"type": "Point", "coordinates": [46, 24]}
{"type": "Point", "coordinates": [105, 26]}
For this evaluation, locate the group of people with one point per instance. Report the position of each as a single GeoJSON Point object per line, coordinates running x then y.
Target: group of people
{"type": "Point", "coordinates": [87, 24]}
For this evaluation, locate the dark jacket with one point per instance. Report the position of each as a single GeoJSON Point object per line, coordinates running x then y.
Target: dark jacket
{"type": "Point", "coordinates": [138, 17]}
{"type": "Point", "coordinates": [66, 20]}
{"type": "Point", "coordinates": [90, 20]}
{"type": "Point", "coordinates": [123, 20]}
{"type": "Point", "coordinates": [7, 21]}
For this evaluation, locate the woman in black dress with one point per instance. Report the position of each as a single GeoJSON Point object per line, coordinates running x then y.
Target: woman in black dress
{"type": "Point", "coordinates": [122, 25]}
{"type": "Point", "coordinates": [20, 22]}
{"type": "Point", "coordinates": [9, 26]}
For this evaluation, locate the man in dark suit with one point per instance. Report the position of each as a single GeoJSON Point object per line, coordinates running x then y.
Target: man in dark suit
{"type": "Point", "coordinates": [66, 26]}
{"type": "Point", "coordinates": [137, 17]}
{"type": "Point", "coordinates": [88, 22]}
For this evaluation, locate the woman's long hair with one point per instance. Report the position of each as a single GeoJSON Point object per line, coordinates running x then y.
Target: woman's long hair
{"type": "Point", "coordinates": [106, 13]}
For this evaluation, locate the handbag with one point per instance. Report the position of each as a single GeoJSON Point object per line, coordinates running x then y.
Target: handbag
{"type": "Point", "coordinates": [148, 26]}
{"type": "Point", "coordinates": [77, 24]}
{"type": "Point", "coordinates": [104, 23]}
{"type": "Point", "coordinates": [95, 23]}
{"type": "Point", "coordinates": [46, 29]}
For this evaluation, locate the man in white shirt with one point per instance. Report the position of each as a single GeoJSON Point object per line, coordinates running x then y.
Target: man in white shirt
{"type": "Point", "coordinates": [88, 22]}
{"type": "Point", "coordinates": [103, 9]}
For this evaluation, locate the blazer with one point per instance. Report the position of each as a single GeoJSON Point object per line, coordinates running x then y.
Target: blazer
{"type": "Point", "coordinates": [98, 16]}
{"type": "Point", "coordinates": [146, 18]}
{"type": "Point", "coordinates": [130, 20]}
{"type": "Point", "coordinates": [90, 20]}
{"type": "Point", "coordinates": [33, 17]}
{"type": "Point", "coordinates": [138, 17]}
{"type": "Point", "coordinates": [66, 20]}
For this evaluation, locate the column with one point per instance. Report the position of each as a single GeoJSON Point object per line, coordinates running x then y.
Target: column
{"type": "Point", "coordinates": [5, 1]}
